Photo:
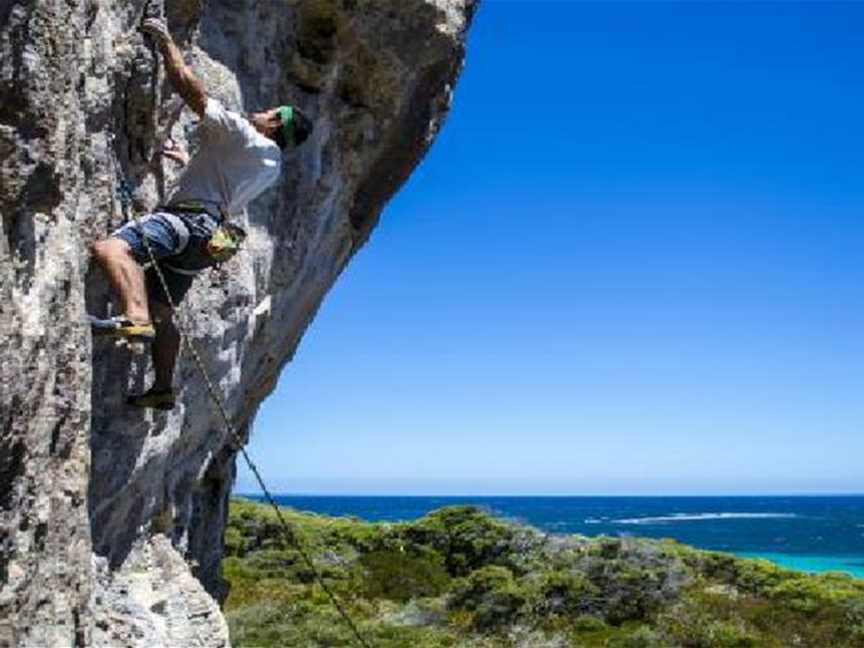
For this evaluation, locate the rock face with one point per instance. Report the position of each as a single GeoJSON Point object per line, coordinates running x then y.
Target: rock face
{"type": "Point", "coordinates": [111, 520]}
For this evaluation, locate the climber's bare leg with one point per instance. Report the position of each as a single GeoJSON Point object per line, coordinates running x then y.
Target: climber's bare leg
{"type": "Point", "coordinates": [126, 277]}
{"type": "Point", "coordinates": [165, 348]}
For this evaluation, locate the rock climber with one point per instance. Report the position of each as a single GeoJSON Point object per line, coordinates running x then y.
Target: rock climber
{"type": "Point", "coordinates": [239, 157]}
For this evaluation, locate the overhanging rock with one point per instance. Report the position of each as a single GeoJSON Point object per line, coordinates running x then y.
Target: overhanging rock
{"type": "Point", "coordinates": [111, 520]}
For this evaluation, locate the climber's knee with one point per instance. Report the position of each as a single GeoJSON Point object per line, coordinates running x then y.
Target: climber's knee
{"type": "Point", "coordinates": [99, 249]}
{"type": "Point", "coordinates": [107, 249]}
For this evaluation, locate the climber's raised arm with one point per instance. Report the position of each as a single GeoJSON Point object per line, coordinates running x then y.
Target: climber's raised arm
{"type": "Point", "coordinates": [181, 76]}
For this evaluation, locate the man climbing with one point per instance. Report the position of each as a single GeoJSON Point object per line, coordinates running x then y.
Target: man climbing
{"type": "Point", "coordinates": [239, 157]}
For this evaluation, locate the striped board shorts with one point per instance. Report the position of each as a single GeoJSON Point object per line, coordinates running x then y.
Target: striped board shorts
{"type": "Point", "coordinates": [168, 236]}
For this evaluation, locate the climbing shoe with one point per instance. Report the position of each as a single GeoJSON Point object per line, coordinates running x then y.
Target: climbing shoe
{"type": "Point", "coordinates": [153, 399]}
{"type": "Point", "coordinates": [121, 327]}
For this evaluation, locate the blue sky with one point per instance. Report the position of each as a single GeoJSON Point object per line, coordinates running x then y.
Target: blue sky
{"type": "Point", "coordinates": [631, 264]}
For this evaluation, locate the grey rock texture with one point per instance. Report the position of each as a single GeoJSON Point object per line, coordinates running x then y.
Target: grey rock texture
{"type": "Point", "coordinates": [111, 520]}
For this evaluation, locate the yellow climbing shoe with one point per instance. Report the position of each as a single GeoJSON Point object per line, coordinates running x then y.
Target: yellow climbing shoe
{"type": "Point", "coordinates": [121, 327]}
{"type": "Point", "coordinates": [153, 399]}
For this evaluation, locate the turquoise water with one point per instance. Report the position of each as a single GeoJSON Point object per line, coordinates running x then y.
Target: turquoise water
{"type": "Point", "coordinates": [813, 534]}
{"type": "Point", "coordinates": [852, 565]}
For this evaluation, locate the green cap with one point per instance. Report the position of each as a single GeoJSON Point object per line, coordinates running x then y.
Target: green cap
{"type": "Point", "coordinates": [287, 115]}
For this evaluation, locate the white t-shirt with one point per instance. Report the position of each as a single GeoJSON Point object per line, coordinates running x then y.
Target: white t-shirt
{"type": "Point", "coordinates": [233, 165]}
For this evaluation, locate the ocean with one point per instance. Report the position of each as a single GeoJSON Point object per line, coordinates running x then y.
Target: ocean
{"type": "Point", "coordinates": [813, 534]}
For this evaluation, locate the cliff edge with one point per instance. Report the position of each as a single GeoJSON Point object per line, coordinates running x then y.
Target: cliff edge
{"type": "Point", "coordinates": [111, 520]}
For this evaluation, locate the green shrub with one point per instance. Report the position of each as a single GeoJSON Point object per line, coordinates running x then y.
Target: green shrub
{"type": "Point", "coordinates": [710, 621]}
{"type": "Point", "coordinates": [398, 576]}
{"type": "Point", "coordinates": [757, 576]}
{"type": "Point", "coordinates": [234, 542]}
{"type": "Point", "coordinates": [588, 623]}
{"type": "Point", "coordinates": [466, 537]}
{"type": "Point", "coordinates": [729, 635]}
{"type": "Point", "coordinates": [807, 594]}
{"type": "Point", "coordinates": [623, 591]}
{"type": "Point", "coordinates": [853, 618]}
{"type": "Point", "coordinates": [561, 593]}
{"type": "Point", "coordinates": [642, 637]}
{"type": "Point", "coordinates": [492, 594]}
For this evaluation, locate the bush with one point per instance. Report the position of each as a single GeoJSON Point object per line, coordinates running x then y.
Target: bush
{"type": "Point", "coordinates": [398, 576]}
{"type": "Point", "coordinates": [492, 595]}
{"type": "Point", "coordinates": [466, 537]}
{"type": "Point", "coordinates": [624, 591]}
{"type": "Point", "coordinates": [561, 593]}
{"type": "Point", "coordinates": [643, 637]}
{"type": "Point", "coordinates": [807, 594]}
{"type": "Point", "coordinates": [710, 621]}
{"type": "Point", "coordinates": [853, 612]}
{"type": "Point", "coordinates": [234, 543]}
{"type": "Point", "coordinates": [588, 623]}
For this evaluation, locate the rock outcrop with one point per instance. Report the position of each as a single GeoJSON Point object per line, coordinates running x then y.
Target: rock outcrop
{"type": "Point", "coordinates": [111, 520]}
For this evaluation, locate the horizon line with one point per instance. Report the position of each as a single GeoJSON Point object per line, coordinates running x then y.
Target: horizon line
{"type": "Point", "coordinates": [551, 496]}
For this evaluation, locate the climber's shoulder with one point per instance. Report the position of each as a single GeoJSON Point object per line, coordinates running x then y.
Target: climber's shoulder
{"type": "Point", "coordinates": [222, 123]}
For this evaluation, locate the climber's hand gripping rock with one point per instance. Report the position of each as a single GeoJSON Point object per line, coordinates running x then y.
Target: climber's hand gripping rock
{"type": "Point", "coordinates": [157, 29]}
{"type": "Point", "coordinates": [181, 76]}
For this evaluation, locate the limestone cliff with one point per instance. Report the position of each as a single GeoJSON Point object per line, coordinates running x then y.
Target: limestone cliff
{"type": "Point", "coordinates": [111, 521]}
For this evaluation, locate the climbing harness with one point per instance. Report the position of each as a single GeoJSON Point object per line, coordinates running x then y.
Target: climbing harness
{"type": "Point", "coordinates": [224, 241]}
{"type": "Point", "coordinates": [290, 538]}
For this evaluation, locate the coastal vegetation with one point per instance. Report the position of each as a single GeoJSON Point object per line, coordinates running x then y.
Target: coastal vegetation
{"type": "Point", "coordinates": [459, 577]}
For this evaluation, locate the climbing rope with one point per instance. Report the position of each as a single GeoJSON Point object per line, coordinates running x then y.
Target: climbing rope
{"type": "Point", "coordinates": [291, 539]}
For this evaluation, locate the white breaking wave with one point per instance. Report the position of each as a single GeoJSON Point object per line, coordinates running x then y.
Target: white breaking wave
{"type": "Point", "coordinates": [696, 517]}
